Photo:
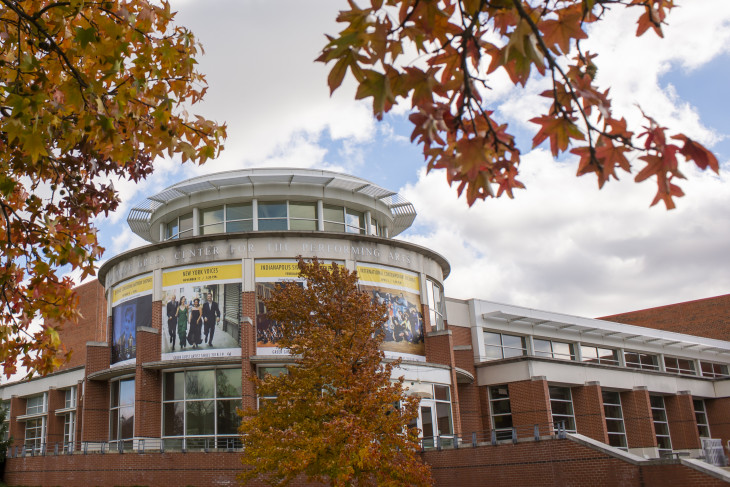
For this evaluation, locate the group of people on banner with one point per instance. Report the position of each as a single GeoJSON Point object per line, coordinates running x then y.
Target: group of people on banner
{"type": "Point", "coordinates": [192, 323]}
{"type": "Point", "coordinates": [405, 322]}
{"type": "Point", "coordinates": [125, 346]}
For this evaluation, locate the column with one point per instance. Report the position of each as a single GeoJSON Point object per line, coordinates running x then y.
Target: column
{"type": "Point", "coordinates": [590, 419]}
{"type": "Point", "coordinates": [54, 424]}
{"type": "Point", "coordinates": [148, 382]}
{"type": "Point", "coordinates": [718, 415]}
{"type": "Point", "coordinates": [248, 348]}
{"type": "Point", "coordinates": [639, 422]}
{"type": "Point", "coordinates": [95, 425]}
{"type": "Point", "coordinates": [682, 422]}
{"type": "Point", "coordinates": [530, 404]}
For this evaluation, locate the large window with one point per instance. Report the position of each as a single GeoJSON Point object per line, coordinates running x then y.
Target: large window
{"type": "Point", "coordinates": [199, 408]}
{"type": "Point", "coordinates": [661, 425]}
{"type": "Point", "coordinates": [180, 227]}
{"type": "Point", "coordinates": [598, 355]}
{"type": "Point", "coordinates": [638, 360]}
{"type": "Point", "coordinates": [212, 220]}
{"type": "Point", "coordinates": [35, 425]}
{"type": "Point", "coordinates": [434, 412]}
{"type": "Point", "coordinates": [553, 349]}
{"type": "Point", "coordinates": [561, 406]}
{"type": "Point", "coordinates": [703, 426]}
{"type": "Point", "coordinates": [272, 215]}
{"type": "Point", "coordinates": [710, 369]}
{"type": "Point", "coordinates": [435, 299]}
{"type": "Point", "coordinates": [499, 345]}
{"type": "Point", "coordinates": [69, 420]}
{"type": "Point", "coordinates": [121, 412]}
{"type": "Point", "coordinates": [614, 419]}
{"type": "Point", "coordinates": [501, 411]}
{"type": "Point", "coordinates": [303, 216]}
{"type": "Point", "coordinates": [679, 366]}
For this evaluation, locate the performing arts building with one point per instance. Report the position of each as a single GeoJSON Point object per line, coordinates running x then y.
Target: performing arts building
{"type": "Point", "coordinates": [173, 331]}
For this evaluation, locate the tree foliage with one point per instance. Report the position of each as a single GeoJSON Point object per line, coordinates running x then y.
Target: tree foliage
{"type": "Point", "coordinates": [89, 92]}
{"type": "Point", "coordinates": [335, 417]}
{"type": "Point", "coordinates": [458, 44]}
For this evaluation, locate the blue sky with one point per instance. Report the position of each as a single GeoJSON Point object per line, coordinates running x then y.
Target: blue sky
{"type": "Point", "coordinates": [561, 245]}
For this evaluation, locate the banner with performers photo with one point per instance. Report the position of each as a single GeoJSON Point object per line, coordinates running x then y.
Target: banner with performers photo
{"type": "Point", "coordinates": [400, 291]}
{"type": "Point", "coordinates": [268, 273]}
{"type": "Point", "coordinates": [201, 311]}
{"type": "Point", "coordinates": [131, 309]}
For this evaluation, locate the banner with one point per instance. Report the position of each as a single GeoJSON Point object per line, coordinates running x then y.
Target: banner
{"type": "Point", "coordinates": [400, 292]}
{"type": "Point", "coordinates": [201, 311]}
{"type": "Point", "coordinates": [131, 309]}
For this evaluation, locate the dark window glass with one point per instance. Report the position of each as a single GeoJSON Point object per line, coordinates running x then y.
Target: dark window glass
{"type": "Point", "coordinates": [228, 382]}
{"type": "Point", "coordinates": [272, 210]}
{"type": "Point", "coordinates": [200, 419]}
{"type": "Point", "coordinates": [240, 226]}
{"type": "Point", "coordinates": [199, 384]}
{"type": "Point", "coordinates": [173, 419]}
{"type": "Point", "coordinates": [239, 212]}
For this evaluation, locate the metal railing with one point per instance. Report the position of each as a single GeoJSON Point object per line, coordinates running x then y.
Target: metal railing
{"type": "Point", "coordinates": [534, 432]}
{"type": "Point", "coordinates": [137, 445]}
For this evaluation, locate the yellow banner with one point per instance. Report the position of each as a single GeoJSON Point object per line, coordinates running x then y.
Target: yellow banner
{"type": "Point", "coordinates": [282, 270]}
{"type": "Point", "coordinates": [389, 277]}
{"type": "Point", "coordinates": [130, 288]}
{"type": "Point", "coordinates": [207, 273]}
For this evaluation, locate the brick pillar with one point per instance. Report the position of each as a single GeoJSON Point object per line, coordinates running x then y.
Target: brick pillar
{"type": "Point", "coordinates": [469, 402]}
{"type": "Point", "coordinates": [682, 421]}
{"type": "Point", "coordinates": [638, 419]}
{"type": "Point", "coordinates": [54, 424]}
{"type": "Point", "coordinates": [530, 403]}
{"type": "Point", "coordinates": [16, 431]}
{"type": "Point", "coordinates": [486, 412]}
{"type": "Point", "coordinates": [440, 349]}
{"type": "Point", "coordinates": [590, 419]}
{"type": "Point", "coordinates": [148, 383]}
{"type": "Point", "coordinates": [248, 348]}
{"type": "Point", "coordinates": [79, 412]}
{"type": "Point", "coordinates": [95, 425]}
{"type": "Point", "coordinates": [718, 415]}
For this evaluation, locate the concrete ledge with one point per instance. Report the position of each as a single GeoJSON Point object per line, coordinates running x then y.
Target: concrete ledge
{"type": "Point", "coordinates": [706, 468]}
{"type": "Point", "coordinates": [438, 333]}
{"type": "Point", "coordinates": [149, 329]}
{"type": "Point", "coordinates": [604, 448]}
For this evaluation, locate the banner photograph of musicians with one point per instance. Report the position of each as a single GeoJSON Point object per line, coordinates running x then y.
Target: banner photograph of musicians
{"type": "Point", "coordinates": [268, 274]}
{"type": "Point", "coordinates": [132, 309]}
{"type": "Point", "coordinates": [398, 290]}
{"type": "Point", "coordinates": [201, 316]}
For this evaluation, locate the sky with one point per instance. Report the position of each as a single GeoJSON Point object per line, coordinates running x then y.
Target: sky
{"type": "Point", "coordinates": [561, 245]}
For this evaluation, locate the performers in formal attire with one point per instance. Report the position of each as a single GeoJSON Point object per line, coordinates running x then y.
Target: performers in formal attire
{"type": "Point", "coordinates": [211, 317]}
{"type": "Point", "coordinates": [196, 323]}
{"type": "Point", "coordinates": [172, 307]}
{"type": "Point", "coordinates": [182, 321]}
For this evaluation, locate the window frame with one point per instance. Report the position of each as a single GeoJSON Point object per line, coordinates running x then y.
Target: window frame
{"type": "Point", "coordinates": [553, 354]}
{"type": "Point", "coordinates": [502, 347]}
{"type": "Point", "coordinates": [611, 400]}
{"type": "Point", "coordinates": [568, 418]}
{"type": "Point", "coordinates": [659, 417]}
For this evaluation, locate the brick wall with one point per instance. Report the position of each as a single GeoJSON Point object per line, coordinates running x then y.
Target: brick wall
{"type": "Point", "coordinates": [248, 349]}
{"type": "Point", "coordinates": [718, 415]}
{"type": "Point", "coordinates": [553, 463]}
{"type": "Point", "coordinates": [682, 422]}
{"type": "Point", "coordinates": [16, 431]}
{"type": "Point", "coordinates": [440, 350]}
{"type": "Point", "coordinates": [113, 469]}
{"type": "Point", "coordinates": [704, 317]}
{"type": "Point", "coordinates": [54, 424]}
{"type": "Point", "coordinates": [91, 326]}
{"type": "Point", "coordinates": [638, 420]}
{"type": "Point", "coordinates": [461, 336]}
{"type": "Point", "coordinates": [148, 383]}
{"type": "Point", "coordinates": [590, 419]}
{"type": "Point", "coordinates": [95, 417]}
{"type": "Point", "coordinates": [530, 403]}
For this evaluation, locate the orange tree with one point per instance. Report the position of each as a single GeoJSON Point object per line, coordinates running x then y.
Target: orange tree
{"type": "Point", "coordinates": [89, 91]}
{"type": "Point", "coordinates": [457, 44]}
{"type": "Point", "coordinates": [335, 418]}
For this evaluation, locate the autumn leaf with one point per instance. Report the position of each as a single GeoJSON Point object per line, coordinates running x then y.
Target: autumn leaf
{"type": "Point", "coordinates": [559, 130]}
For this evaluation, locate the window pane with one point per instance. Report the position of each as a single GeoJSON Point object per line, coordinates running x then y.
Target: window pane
{"type": "Point", "coordinates": [272, 210]}
{"type": "Point", "coordinates": [239, 212]}
{"type": "Point", "coordinates": [493, 352]}
{"type": "Point", "coordinates": [564, 350]}
{"type": "Point", "coordinates": [443, 414]}
{"type": "Point", "coordinates": [663, 442]}
{"type": "Point", "coordinates": [557, 392]}
{"type": "Point", "coordinates": [186, 223]}
{"type": "Point", "coordinates": [542, 348]}
{"type": "Point", "coordinates": [303, 210]}
{"type": "Point", "coordinates": [172, 229]}
{"type": "Point", "coordinates": [334, 227]}
{"type": "Point", "coordinates": [632, 359]}
{"type": "Point", "coordinates": [499, 392]}
{"type": "Point", "coordinates": [611, 397]}
{"type": "Point", "coordinates": [228, 419]}
{"type": "Point", "coordinates": [513, 352]}
{"type": "Point", "coordinates": [200, 418]}
{"type": "Point", "coordinates": [617, 441]}
{"type": "Point", "coordinates": [271, 225]}
{"type": "Point", "coordinates": [211, 215]}
{"type": "Point", "coordinates": [502, 421]}
{"type": "Point", "coordinates": [333, 213]}
{"type": "Point", "coordinates": [210, 229]}
{"type": "Point", "coordinates": [113, 424]}
{"type": "Point", "coordinates": [612, 411]}
{"type": "Point", "coordinates": [561, 408]}
{"type": "Point", "coordinates": [615, 425]}
{"type": "Point", "coordinates": [588, 354]}
{"type": "Point", "coordinates": [126, 392]}
{"type": "Point", "coordinates": [513, 341]}
{"type": "Point", "coordinates": [648, 361]}
{"type": "Point", "coordinates": [199, 384]}
{"type": "Point", "coordinates": [492, 338]}
{"type": "Point", "coordinates": [228, 382]}
{"type": "Point", "coordinates": [501, 407]}
{"type": "Point", "coordinates": [302, 224]}
{"type": "Point", "coordinates": [173, 419]}
{"type": "Point", "coordinates": [442, 393]}
{"type": "Point", "coordinates": [240, 226]}
{"type": "Point", "coordinates": [174, 386]}
{"type": "Point", "coordinates": [126, 426]}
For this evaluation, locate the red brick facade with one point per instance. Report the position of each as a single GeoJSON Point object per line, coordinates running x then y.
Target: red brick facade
{"type": "Point", "coordinates": [590, 419]}
{"type": "Point", "coordinates": [638, 419]}
{"type": "Point", "coordinates": [530, 401]}
{"type": "Point", "coordinates": [682, 422]}
{"type": "Point", "coordinates": [703, 317]}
